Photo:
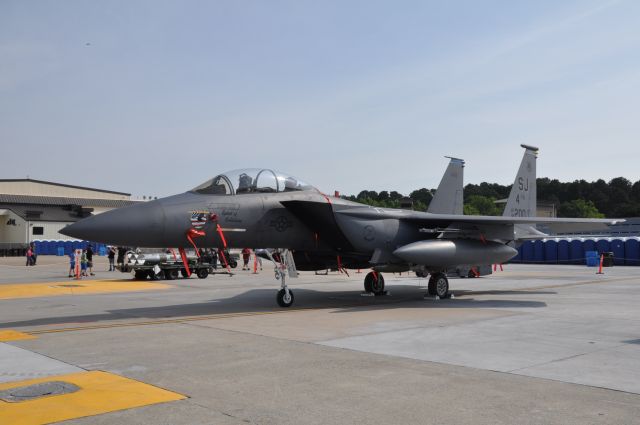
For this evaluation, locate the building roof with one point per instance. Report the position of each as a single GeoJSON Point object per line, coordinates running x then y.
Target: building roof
{"type": "Point", "coordinates": [63, 185]}
{"type": "Point", "coordinates": [59, 201]}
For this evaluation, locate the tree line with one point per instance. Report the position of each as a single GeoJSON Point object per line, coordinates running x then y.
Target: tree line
{"type": "Point", "coordinates": [614, 199]}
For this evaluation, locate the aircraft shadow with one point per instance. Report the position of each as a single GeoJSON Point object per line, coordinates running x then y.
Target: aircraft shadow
{"type": "Point", "coordinates": [263, 300]}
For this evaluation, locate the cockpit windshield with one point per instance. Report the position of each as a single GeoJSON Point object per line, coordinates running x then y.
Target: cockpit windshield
{"type": "Point", "coordinates": [252, 180]}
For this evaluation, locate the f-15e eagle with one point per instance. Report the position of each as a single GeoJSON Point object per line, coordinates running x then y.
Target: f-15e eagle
{"type": "Point", "coordinates": [263, 208]}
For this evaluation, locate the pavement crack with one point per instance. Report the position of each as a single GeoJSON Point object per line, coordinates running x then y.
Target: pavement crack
{"type": "Point", "coordinates": [565, 358]}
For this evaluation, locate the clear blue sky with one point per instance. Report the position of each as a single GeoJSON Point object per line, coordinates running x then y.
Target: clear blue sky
{"type": "Point", "coordinates": [154, 97]}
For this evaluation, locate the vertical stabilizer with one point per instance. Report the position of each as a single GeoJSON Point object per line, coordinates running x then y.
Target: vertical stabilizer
{"type": "Point", "coordinates": [448, 198]}
{"type": "Point", "coordinates": [522, 199]}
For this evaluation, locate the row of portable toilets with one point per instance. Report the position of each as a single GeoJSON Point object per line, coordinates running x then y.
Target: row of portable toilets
{"type": "Point", "coordinates": [67, 247]}
{"type": "Point", "coordinates": [626, 251]}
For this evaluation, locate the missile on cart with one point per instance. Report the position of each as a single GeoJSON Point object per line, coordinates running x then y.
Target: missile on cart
{"type": "Point", "coordinates": [157, 258]}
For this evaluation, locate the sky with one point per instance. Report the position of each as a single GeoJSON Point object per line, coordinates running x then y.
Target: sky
{"type": "Point", "coordinates": [154, 97]}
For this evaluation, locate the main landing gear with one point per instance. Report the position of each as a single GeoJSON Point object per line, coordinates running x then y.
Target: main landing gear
{"type": "Point", "coordinates": [374, 283]}
{"type": "Point", "coordinates": [438, 285]}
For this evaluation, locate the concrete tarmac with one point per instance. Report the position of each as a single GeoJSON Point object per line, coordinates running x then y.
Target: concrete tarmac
{"type": "Point", "coordinates": [530, 345]}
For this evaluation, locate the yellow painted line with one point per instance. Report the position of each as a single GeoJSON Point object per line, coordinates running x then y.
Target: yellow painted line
{"type": "Point", "coordinates": [100, 392]}
{"type": "Point", "coordinates": [10, 335]}
{"type": "Point", "coordinates": [75, 287]}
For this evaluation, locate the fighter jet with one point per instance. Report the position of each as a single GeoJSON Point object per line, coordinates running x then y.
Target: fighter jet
{"type": "Point", "coordinates": [261, 208]}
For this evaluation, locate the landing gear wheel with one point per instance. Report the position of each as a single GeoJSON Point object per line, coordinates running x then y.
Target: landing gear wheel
{"type": "Point", "coordinates": [202, 273]}
{"type": "Point", "coordinates": [374, 282]}
{"type": "Point", "coordinates": [471, 274]}
{"type": "Point", "coordinates": [284, 299]}
{"type": "Point", "coordinates": [184, 273]}
{"type": "Point", "coordinates": [141, 275]}
{"type": "Point", "coordinates": [438, 285]}
{"type": "Point", "coordinates": [152, 275]}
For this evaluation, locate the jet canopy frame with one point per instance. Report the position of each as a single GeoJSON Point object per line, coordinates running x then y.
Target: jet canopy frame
{"type": "Point", "coordinates": [252, 180]}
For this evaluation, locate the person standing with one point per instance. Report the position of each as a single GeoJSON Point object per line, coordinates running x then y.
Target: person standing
{"type": "Point", "coordinates": [83, 263]}
{"type": "Point", "coordinates": [89, 252]}
{"type": "Point", "coordinates": [29, 256]}
{"type": "Point", "coordinates": [34, 255]}
{"type": "Point", "coordinates": [112, 256]}
{"type": "Point", "coordinates": [121, 252]}
{"type": "Point", "coordinates": [72, 264]}
{"type": "Point", "coordinates": [246, 254]}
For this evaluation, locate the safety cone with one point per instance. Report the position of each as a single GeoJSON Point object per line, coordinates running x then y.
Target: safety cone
{"type": "Point", "coordinates": [600, 268]}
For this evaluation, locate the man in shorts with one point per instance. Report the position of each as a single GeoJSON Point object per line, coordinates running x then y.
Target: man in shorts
{"type": "Point", "coordinates": [90, 260]}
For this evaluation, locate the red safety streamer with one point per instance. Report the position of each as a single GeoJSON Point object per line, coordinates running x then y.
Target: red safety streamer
{"type": "Point", "coordinates": [221, 233]}
{"type": "Point", "coordinates": [185, 261]}
{"type": "Point", "coordinates": [340, 268]}
{"type": "Point", "coordinates": [191, 233]}
{"type": "Point", "coordinates": [224, 259]}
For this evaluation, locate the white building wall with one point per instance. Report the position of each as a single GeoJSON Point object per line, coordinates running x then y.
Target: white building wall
{"type": "Point", "coordinates": [50, 231]}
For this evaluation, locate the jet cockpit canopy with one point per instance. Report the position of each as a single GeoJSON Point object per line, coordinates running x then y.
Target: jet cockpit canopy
{"type": "Point", "coordinates": [251, 180]}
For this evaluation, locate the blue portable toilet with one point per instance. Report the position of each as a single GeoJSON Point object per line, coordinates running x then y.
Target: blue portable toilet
{"type": "Point", "coordinates": [527, 252]}
{"type": "Point", "coordinates": [68, 247]}
{"type": "Point", "coordinates": [518, 257]}
{"type": "Point", "coordinates": [603, 245]}
{"type": "Point", "coordinates": [589, 245]}
{"type": "Point", "coordinates": [563, 251]}
{"type": "Point", "coordinates": [632, 252]}
{"type": "Point", "coordinates": [538, 251]}
{"type": "Point", "coordinates": [576, 253]}
{"type": "Point", "coordinates": [617, 247]}
{"type": "Point", "coordinates": [550, 251]}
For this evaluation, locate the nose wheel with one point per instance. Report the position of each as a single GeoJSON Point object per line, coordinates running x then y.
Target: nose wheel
{"type": "Point", "coordinates": [285, 297]}
{"type": "Point", "coordinates": [374, 283]}
{"type": "Point", "coordinates": [438, 285]}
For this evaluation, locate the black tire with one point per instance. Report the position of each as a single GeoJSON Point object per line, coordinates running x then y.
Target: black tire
{"type": "Point", "coordinates": [233, 264]}
{"type": "Point", "coordinates": [202, 273]}
{"type": "Point", "coordinates": [171, 274]}
{"type": "Point", "coordinates": [152, 275]}
{"type": "Point", "coordinates": [374, 282]}
{"type": "Point", "coordinates": [439, 285]}
{"type": "Point", "coordinates": [140, 275]}
{"type": "Point", "coordinates": [284, 301]}
{"type": "Point", "coordinates": [184, 273]}
{"type": "Point", "coordinates": [471, 274]}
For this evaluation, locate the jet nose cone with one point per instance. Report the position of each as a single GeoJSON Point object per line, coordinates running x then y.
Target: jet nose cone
{"type": "Point", "coordinates": [137, 225]}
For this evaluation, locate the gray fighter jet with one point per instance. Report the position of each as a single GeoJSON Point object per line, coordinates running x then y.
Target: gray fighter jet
{"type": "Point", "coordinates": [260, 208]}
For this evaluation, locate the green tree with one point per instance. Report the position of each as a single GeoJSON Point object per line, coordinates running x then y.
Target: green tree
{"type": "Point", "coordinates": [424, 196]}
{"type": "Point", "coordinates": [481, 205]}
{"type": "Point", "coordinates": [579, 208]}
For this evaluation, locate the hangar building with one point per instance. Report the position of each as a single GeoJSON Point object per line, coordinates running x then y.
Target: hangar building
{"type": "Point", "coordinates": [32, 210]}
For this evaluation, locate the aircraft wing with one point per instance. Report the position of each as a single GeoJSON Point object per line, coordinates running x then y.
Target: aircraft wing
{"type": "Point", "coordinates": [427, 219]}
